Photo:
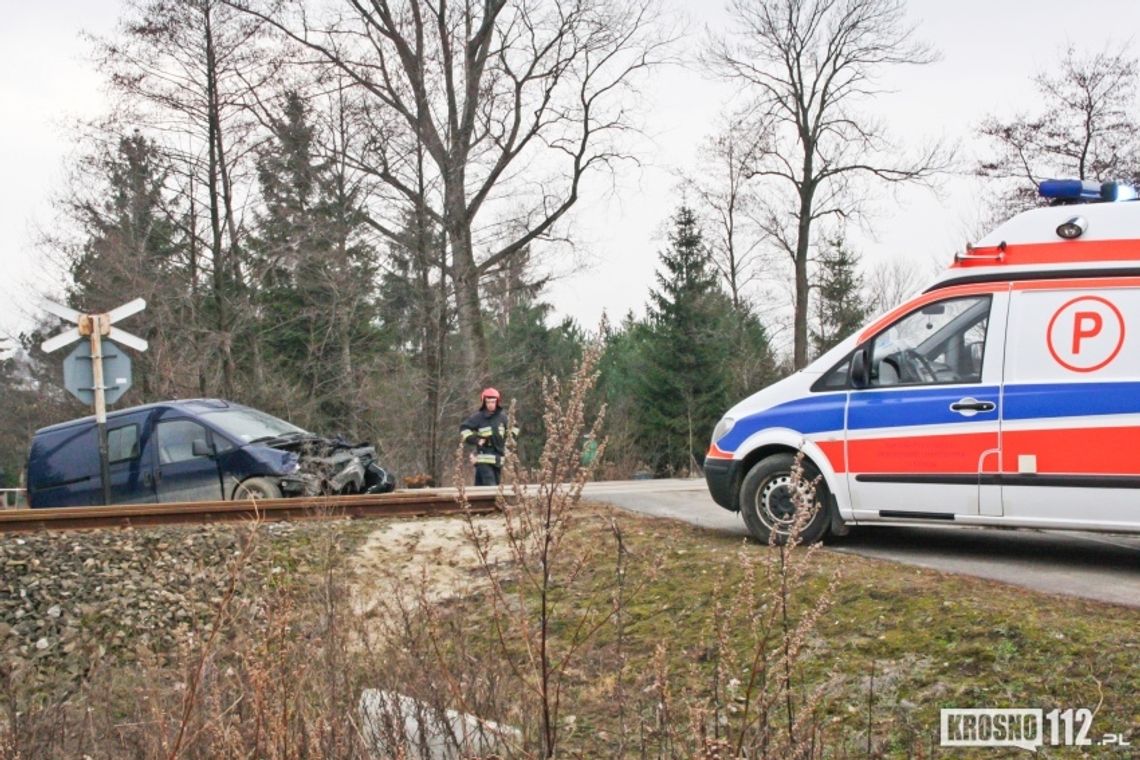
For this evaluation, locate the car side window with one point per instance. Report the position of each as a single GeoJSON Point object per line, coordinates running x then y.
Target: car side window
{"type": "Point", "coordinates": [176, 440]}
{"type": "Point", "coordinates": [122, 443]}
{"type": "Point", "coordinates": [939, 343]}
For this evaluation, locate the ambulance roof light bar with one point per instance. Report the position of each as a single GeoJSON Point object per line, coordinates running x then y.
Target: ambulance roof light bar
{"type": "Point", "coordinates": [1066, 191]}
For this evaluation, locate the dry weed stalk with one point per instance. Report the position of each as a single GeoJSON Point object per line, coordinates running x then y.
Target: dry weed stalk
{"type": "Point", "coordinates": [539, 586]}
{"type": "Point", "coordinates": [207, 650]}
{"type": "Point", "coordinates": [762, 712]}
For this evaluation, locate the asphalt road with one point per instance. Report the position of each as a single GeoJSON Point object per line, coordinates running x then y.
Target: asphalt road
{"type": "Point", "coordinates": [1102, 567]}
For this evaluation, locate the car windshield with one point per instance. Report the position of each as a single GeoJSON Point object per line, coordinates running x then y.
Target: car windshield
{"type": "Point", "coordinates": [248, 425]}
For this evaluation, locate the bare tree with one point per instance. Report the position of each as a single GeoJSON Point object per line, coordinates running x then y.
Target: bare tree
{"type": "Point", "coordinates": [726, 198]}
{"type": "Point", "coordinates": [1085, 127]}
{"type": "Point", "coordinates": [889, 283]}
{"type": "Point", "coordinates": [189, 71]}
{"type": "Point", "coordinates": [511, 104]}
{"type": "Point", "coordinates": [805, 66]}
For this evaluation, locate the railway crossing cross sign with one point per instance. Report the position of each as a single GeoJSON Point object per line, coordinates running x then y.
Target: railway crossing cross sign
{"type": "Point", "coordinates": [86, 324]}
{"type": "Point", "coordinates": [83, 370]}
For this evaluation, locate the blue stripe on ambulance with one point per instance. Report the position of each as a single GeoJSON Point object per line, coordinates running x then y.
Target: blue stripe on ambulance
{"type": "Point", "coordinates": [1041, 401]}
{"type": "Point", "coordinates": [816, 414]}
{"type": "Point", "coordinates": [917, 406]}
{"type": "Point", "coordinates": [909, 407]}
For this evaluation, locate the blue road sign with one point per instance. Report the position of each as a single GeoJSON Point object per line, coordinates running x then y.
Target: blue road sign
{"type": "Point", "coordinates": [79, 377]}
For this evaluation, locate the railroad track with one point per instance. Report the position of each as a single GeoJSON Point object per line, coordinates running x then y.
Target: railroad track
{"type": "Point", "coordinates": [398, 504]}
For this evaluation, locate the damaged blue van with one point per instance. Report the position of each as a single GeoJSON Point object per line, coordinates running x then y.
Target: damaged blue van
{"type": "Point", "coordinates": [195, 450]}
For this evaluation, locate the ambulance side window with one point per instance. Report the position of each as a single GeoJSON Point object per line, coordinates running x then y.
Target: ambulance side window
{"type": "Point", "coordinates": [835, 379]}
{"type": "Point", "coordinates": [939, 343]}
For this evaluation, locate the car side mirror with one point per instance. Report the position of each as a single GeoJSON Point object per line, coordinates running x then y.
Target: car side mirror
{"type": "Point", "coordinates": [860, 374]}
{"type": "Point", "coordinates": [200, 448]}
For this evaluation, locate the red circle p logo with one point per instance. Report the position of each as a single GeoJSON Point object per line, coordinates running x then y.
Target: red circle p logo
{"type": "Point", "coordinates": [1086, 334]}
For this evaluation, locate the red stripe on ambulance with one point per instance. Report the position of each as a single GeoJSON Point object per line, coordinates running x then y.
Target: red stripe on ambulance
{"type": "Point", "coordinates": [1079, 451]}
{"type": "Point", "coordinates": [1066, 252]}
{"type": "Point", "coordinates": [941, 454]}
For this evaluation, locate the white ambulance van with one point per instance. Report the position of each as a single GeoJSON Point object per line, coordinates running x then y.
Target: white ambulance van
{"type": "Point", "coordinates": [1006, 394]}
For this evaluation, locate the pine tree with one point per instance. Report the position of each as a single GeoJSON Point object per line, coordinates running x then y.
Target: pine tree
{"type": "Point", "coordinates": [419, 320]}
{"type": "Point", "coordinates": [751, 363]}
{"type": "Point", "coordinates": [314, 279]}
{"type": "Point", "coordinates": [842, 304]}
{"type": "Point", "coordinates": [524, 352]}
{"type": "Point", "coordinates": [622, 369]}
{"type": "Point", "coordinates": [684, 388]}
{"type": "Point", "coordinates": [133, 245]}
{"type": "Point", "coordinates": [128, 229]}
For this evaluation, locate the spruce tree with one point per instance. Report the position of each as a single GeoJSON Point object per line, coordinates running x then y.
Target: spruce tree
{"type": "Point", "coordinates": [622, 368]}
{"type": "Point", "coordinates": [841, 307]}
{"type": "Point", "coordinates": [314, 279]}
{"type": "Point", "coordinates": [525, 350]}
{"type": "Point", "coordinates": [684, 388]}
{"type": "Point", "coordinates": [128, 230]}
{"type": "Point", "coordinates": [133, 245]}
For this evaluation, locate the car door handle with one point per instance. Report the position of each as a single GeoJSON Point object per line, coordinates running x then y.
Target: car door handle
{"type": "Point", "coordinates": [968, 407]}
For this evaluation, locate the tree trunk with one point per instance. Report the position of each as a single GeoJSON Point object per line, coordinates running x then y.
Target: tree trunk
{"type": "Point", "coordinates": [803, 243]}
{"type": "Point", "coordinates": [220, 258]}
{"type": "Point", "coordinates": [465, 275]}
{"type": "Point", "coordinates": [194, 335]}
{"type": "Point", "coordinates": [432, 340]}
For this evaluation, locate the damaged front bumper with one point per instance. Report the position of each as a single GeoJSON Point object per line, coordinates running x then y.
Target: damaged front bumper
{"type": "Point", "coordinates": [331, 466]}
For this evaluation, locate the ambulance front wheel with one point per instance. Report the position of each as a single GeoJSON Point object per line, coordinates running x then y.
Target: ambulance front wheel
{"type": "Point", "coordinates": [770, 498]}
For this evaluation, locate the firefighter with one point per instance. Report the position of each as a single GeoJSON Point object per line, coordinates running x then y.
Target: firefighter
{"type": "Point", "coordinates": [486, 431]}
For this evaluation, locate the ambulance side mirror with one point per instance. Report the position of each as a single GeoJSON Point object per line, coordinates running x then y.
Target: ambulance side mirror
{"type": "Point", "coordinates": [860, 372]}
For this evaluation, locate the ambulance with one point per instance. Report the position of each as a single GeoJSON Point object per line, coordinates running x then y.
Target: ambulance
{"type": "Point", "coordinates": [1007, 394]}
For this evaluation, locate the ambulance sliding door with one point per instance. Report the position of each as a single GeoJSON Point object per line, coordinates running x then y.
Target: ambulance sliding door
{"type": "Point", "coordinates": [919, 436]}
{"type": "Point", "coordinates": [1071, 404]}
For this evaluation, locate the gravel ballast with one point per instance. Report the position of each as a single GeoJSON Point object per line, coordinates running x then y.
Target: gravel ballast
{"type": "Point", "coordinates": [69, 600]}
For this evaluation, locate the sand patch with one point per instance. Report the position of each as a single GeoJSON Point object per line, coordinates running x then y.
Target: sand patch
{"type": "Point", "coordinates": [425, 560]}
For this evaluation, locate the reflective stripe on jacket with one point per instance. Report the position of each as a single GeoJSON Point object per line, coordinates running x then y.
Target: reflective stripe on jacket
{"type": "Point", "coordinates": [488, 434]}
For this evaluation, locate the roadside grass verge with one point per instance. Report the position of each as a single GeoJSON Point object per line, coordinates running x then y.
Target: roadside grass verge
{"type": "Point", "coordinates": [896, 644]}
{"type": "Point", "coordinates": [665, 677]}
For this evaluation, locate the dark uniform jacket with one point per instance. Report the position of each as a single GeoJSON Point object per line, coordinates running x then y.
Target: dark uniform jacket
{"type": "Point", "coordinates": [487, 432]}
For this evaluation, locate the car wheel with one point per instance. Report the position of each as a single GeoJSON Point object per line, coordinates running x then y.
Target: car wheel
{"type": "Point", "coordinates": [257, 489]}
{"type": "Point", "coordinates": [768, 504]}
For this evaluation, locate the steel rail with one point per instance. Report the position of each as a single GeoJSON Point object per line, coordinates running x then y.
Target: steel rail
{"type": "Point", "coordinates": [398, 504]}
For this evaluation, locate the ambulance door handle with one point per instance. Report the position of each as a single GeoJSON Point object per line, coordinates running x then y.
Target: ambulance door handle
{"type": "Point", "coordinates": [968, 407]}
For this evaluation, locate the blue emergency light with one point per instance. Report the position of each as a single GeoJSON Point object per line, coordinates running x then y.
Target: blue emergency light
{"type": "Point", "coordinates": [1085, 191]}
{"type": "Point", "coordinates": [1117, 191]}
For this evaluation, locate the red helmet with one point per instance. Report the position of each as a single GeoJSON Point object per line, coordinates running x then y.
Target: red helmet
{"type": "Point", "coordinates": [489, 393]}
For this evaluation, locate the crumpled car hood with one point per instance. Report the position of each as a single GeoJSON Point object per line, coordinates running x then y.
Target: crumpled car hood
{"type": "Point", "coordinates": [334, 465]}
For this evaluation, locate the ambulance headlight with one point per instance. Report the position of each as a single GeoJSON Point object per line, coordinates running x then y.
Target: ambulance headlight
{"type": "Point", "coordinates": [722, 428]}
{"type": "Point", "coordinates": [1073, 229]}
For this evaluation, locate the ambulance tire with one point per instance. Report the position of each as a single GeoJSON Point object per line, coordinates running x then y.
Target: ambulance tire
{"type": "Point", "coordinates": [767, 506]}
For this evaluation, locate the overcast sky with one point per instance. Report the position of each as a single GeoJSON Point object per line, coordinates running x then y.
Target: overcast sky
{"type": "Point", "coordinates": [988, 51]}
